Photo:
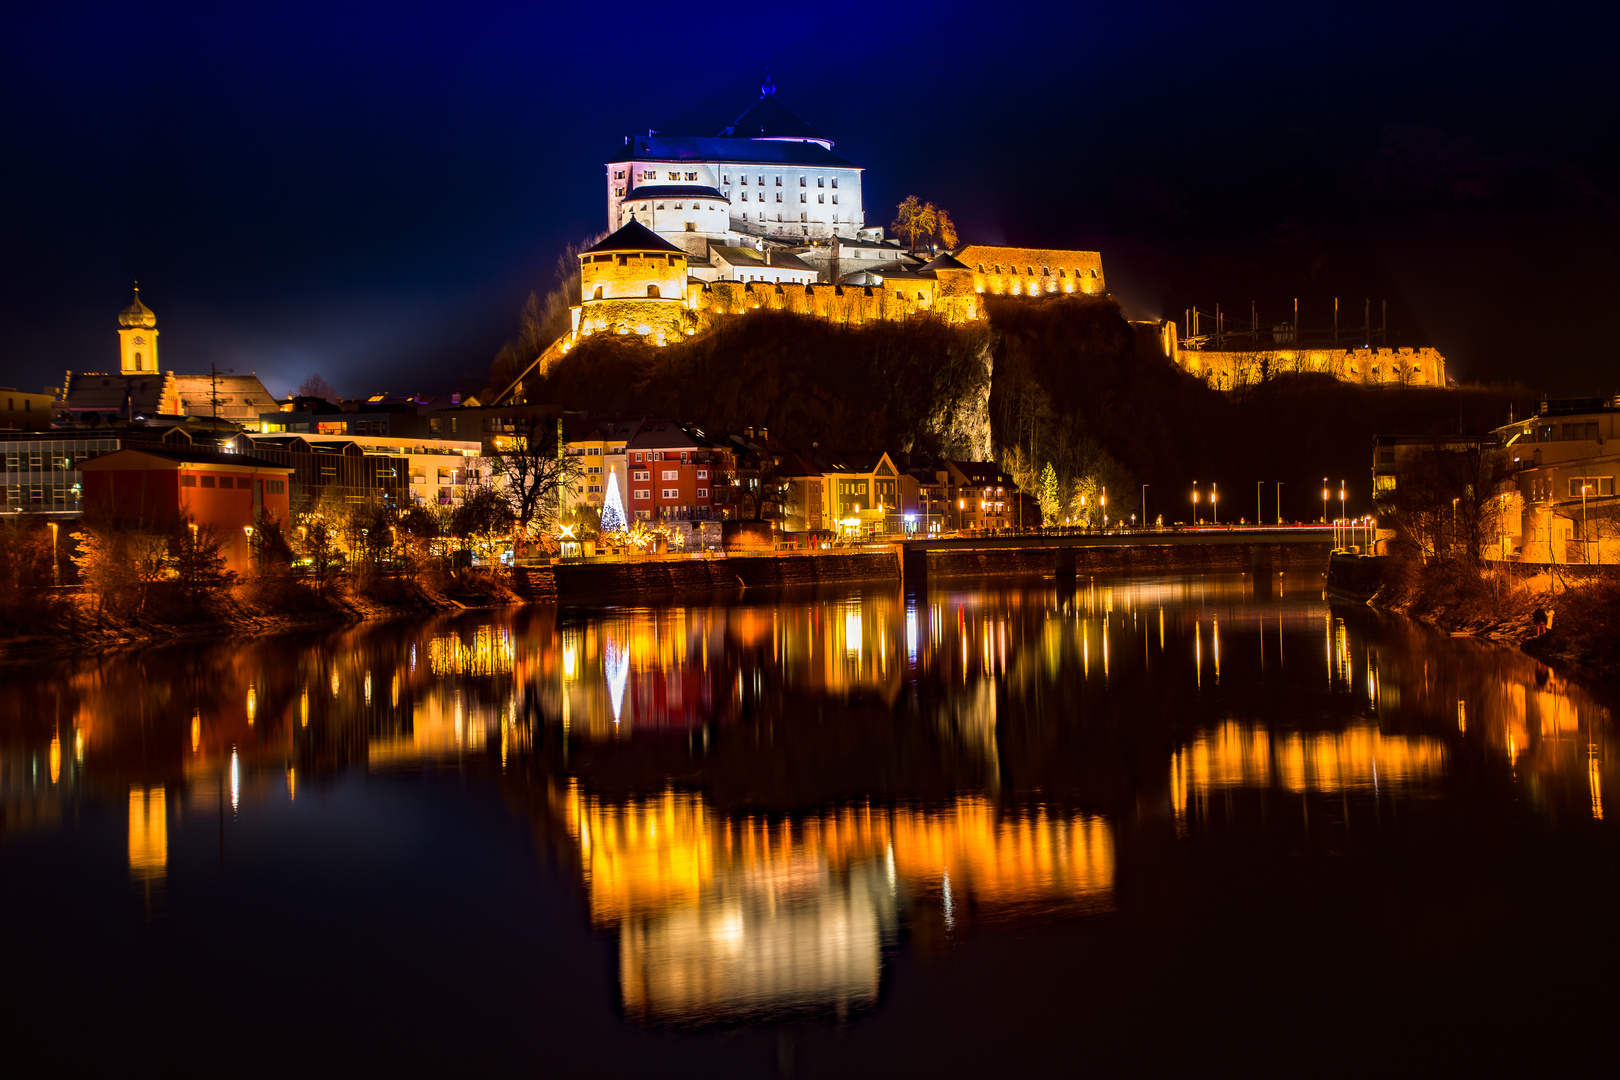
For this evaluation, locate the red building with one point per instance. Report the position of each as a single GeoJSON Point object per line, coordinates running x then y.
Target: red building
{"type": "Point", "coordinates": [158, 489]}
{"type": "Point", "coordinates": [673, 470]}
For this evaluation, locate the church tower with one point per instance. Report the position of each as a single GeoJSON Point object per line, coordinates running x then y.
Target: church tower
{"type": "Point", "coordinates": [137, 338]}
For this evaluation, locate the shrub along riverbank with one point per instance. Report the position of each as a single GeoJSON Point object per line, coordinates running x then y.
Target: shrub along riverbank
{"type": "Point", "coordinates": [1500, 601]}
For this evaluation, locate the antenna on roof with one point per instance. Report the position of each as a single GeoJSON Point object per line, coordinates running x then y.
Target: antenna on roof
{"type": "Point", "coordinates": [767, 88]}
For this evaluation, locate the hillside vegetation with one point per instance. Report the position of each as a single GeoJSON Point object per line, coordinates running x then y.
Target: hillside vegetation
{"type": "Point", "coordinates": [1065, 380]}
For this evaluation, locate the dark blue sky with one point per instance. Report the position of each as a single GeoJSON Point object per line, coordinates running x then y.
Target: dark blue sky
{"type": "Point", "coordinates": [370, 192]}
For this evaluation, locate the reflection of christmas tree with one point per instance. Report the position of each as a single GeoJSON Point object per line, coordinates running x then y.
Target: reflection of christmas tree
{"type": "Point", "coordinates": [612, 508]}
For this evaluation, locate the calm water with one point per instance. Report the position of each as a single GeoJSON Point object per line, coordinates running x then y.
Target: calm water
{"type": "Point", "coordinates": [814, 834]}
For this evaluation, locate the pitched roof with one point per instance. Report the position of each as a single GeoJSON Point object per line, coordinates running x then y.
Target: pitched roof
{"type": "Point", "coordinates": [106, 392]}
{"type": "Point", "coordinates": [768, 118]}
{"type": "Point", "coordinates": [191, 457]}
{"type": "Point", "coordinates": [676, 191]}
{"type": "Point", "coordinates": [747, 256]}
{"type": "Point", "coordinates": [945, 261]}
{"type": "Point", "coordinates": [633, 237]}
{"type": "Point", "coordinates": [241, 397]}
{"type": "Point", "coordinates": [740, 151]}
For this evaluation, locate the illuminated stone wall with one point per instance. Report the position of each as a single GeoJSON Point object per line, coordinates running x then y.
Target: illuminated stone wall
{"type": "Point", "coordinates": [1016, 271]}
{"type": "Point", "coordinates": [1372, 366]}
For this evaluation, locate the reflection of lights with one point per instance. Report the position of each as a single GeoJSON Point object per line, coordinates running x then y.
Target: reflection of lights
{"type": "Point", "coordinates": [292, 783]}
{"type": "Point", "coordinates": [570, 654]}
{"type": "Point", "coordinates": [56, 758]}
{"type": "Point", "coordinates": [911, 634]}
{"type": "Point", "coordinates": [616, 662]}
{"type": "Point", "coordinates": [949, 904]}
{"type": "Point", "coordinates": [852, 632]}
{"type": "Point", "coordinates": [78, 746]}
{"type": "Point", "coordinates": [252, 704]}
{"type": "Point", "coordinates": [148, 833]}
{"type": "Point", "coordinates": [393, 690]}
{"type": "Point", "coordinates": [303, 708]}
{"type": "Point", "coordinates": [368, 688]}
{"type": "Point", "coordinates": [1594, 780]}
{"type": "Point", "coordinates": [236, 779]}
{"type": "Point", "coordinates": [334, 680]}
{"type": "Point", "coordinates": [196, 731]}
{"type": "Point", "coordinates": [489, 654]}
{"type": "Point", "coordinates": [1462, 716]}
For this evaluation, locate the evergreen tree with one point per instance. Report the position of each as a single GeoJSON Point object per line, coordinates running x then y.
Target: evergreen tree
{"type": "Point", "coordinates": [612, 508]}
{"type": "Point", "coordinates": [1047, 493]}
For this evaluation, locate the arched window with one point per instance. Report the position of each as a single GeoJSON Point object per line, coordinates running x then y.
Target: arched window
{"type": "Point", "coordinates": [598, 295]}
{"type": "Point", "coordinates": [137, 361]}
{"type": "Point", "coordinates": [652, 290]}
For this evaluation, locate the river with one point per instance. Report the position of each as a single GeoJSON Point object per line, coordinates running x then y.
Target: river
{"type": "Point", "coordinates": [1131, 823]}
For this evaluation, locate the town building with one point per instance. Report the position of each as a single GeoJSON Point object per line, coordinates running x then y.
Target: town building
{"type": "Point", "coordinates": [140, 390]}
{"type": "Point", "coordinates": [854, 494]}
{"type": "Point", "coordinates": [161, 489]}
{"type": "Point", "coordinates": [978, 495]}
{"type": "Point", "coordinates": [674, 469]}
{"type": "Point", "coordinates": [41, 473]}
{"type": "Point", "coordinates": [363, 468]}
{"type": "Point", "coordinates": [599, 443]}
{"type": "Point", "coordinates": [22, 411]}
{"type": "Point", "coordinates": [1559, 505]}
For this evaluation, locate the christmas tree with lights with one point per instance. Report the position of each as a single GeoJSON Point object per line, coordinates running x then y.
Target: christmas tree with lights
{"type": "Point", "coordinates": [612, 508]}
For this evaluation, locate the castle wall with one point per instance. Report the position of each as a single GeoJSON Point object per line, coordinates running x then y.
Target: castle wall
{"type": "Point", "coordinates": [1371, 366]}
{"type": "Point", "coordinates": [1015, 271]}
{"type": "Point", "coordinates": [628, 275]}
{"type": "Point", "coordinates": [850, 305]}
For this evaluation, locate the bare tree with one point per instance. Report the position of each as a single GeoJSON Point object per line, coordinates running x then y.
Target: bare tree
{"type": "Point", "coordinates": [316, 386]}
{"type": "Point", "coordinates": [534, 472]}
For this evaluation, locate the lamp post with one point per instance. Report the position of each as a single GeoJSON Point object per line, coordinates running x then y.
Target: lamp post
{"type": "Point", "coordinates": [1195, 502]}
{"type": "Point", "coordinates": [1214, 501]}
{"type": "Point", "coordinates": [1341, 498]}
{"type": "Point", "coordinates": [1144, 504]}
{"type": "Point", "coordinates": [1257, 511]}
{"type": "Point", "coordinates": [1105, 507]}
{"type": "Point", "coordinates": [1586, 552]}
{"type": "Point", "coordinates": [1324, 500]}
{"type": "Point", "coordinates": [56, 568]}
{"type": "Point", "coordinates": [1279, 502]}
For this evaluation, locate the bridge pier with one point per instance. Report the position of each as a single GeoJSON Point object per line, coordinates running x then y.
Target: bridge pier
{"type": "Point", "coordinates": [914, 568]}
{"type": "Point", "coordinates": [1262, 570]}
{"type": "Point", "coordinates": [1063, 563]}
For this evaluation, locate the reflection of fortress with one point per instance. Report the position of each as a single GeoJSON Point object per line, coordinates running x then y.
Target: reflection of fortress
{"type": "Point", "coordinates": [721, 918]}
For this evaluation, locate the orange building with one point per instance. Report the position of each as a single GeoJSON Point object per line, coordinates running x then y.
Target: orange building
{"type": "Point", "coordinates": [158, 489]}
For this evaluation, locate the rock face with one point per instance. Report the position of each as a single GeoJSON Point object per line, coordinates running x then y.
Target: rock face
{"type": "Point", "coordinates": [959, 423]}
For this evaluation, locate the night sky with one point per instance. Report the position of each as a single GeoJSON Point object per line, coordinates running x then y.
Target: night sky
{"type": "Point", "coordinates": [370, 192]}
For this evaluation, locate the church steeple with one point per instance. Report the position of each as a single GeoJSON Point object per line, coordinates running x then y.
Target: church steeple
{"type": "Point", "coordinates": [137, 338]}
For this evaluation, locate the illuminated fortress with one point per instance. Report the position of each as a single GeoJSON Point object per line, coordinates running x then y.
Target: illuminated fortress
{"type": "Point", "coordinates": [765, 215]}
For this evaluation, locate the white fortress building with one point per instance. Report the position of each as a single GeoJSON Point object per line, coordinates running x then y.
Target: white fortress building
{"type": "Point", "coordinates": [768, 175]}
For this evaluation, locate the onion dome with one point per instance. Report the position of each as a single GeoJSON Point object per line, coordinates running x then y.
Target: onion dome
{"type": "Point", "coordinates": [137, 314]}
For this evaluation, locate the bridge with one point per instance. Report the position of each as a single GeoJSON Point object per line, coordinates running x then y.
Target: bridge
{"type": "Point", "coordinates": [1253, 547]}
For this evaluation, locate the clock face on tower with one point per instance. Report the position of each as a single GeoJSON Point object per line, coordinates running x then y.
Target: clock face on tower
{"type": "Point", "coordinates": [140, 340]}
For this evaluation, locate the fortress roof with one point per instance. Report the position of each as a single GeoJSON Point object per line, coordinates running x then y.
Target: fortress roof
{"type": "Point", "coordinates": [633, 237]}
{"type": "Point", "coordinates": [747, 256]}
{"type": "Point", "coordinates": [742, 151]}
{"type": "Point", "coordinates": [768, 118]}
{"type": "Point", "coordinates": [676, 191]}
{"type": "Point", "coordinates": [945, 261]}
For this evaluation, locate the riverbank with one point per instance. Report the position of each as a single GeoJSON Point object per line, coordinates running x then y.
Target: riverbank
{"type": "Point", "coordinates": [1499, 602]}
{"type": "Point", "coordinates": [76, 622]}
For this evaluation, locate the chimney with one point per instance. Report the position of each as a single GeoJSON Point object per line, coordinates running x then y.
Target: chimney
{"type": "Point", "coordinates": [764, 434]}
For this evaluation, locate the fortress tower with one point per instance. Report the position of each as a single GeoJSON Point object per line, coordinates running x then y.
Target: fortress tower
{"type": "Point", "coordinates": [137, 338]}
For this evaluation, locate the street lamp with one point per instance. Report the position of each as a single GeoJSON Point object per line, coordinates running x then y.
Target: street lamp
{"type": "Point", "coordinates": [1214, 501]}
{"type": "Point", "coordinates": [1586, 552]}
{"type": "Point", "coordinates": [1105, 507]}
{"type": "Point", "coordinates": [1341, 498]}
{"type": "Point", "coordinates": [56, 568]}
{"type": "Point", "coordinates": [1324, 500]}
{"type": "Point", "coordinates": [1195, 502]}
{"type": "Point", "coordinates": [1144, 504]}
{"type": "Point", "coordinates": [1279, 502]}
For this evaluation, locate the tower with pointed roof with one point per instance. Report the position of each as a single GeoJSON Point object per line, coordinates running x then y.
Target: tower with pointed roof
{"type": "Point", "coordinates": [137, 338]}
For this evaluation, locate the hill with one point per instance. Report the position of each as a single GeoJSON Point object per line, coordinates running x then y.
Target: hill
{"type": "Point", "coordinates": [1064, 379]}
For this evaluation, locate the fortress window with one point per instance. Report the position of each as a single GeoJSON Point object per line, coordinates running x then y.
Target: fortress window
{"type": "Point", "coordinates": [624, 260]}
{"type": "Point", "coordinates": [1094, 272]}
{"type": "Point", "coordinates": [725, 178]}
{"type": "Point", "coordinates": [652, 290]}
{"type": "Point", "coordinates": [1046, 271]}
{"type": "Point", "coordinates": [804, 217]}
{"type": "Point", "coordinates": [598, 295]}
{"type": "Point", "coordinates": [778, 181]}
{"type": "Point", "coordinates": [761, 180]}
{"type": "Point", "coordinates": [835, 183]}
{"type": "Point", "coordinates": [801, 197]}
{"type": "Point", "coordinates": [821, 181]}
{"type": "Point", "coordinates": [618, 192]}
{"type": "Point", "coordinates": [803, 180]}
{"type": "Point", "coordinates": [660, 206]}
{"type": "Point", "coordinates": [691, 176]}
{"type": "Point", "coordinates": [745, 215]}
{"type": "Point", "coordinates": [674, 176]}
{"type": "Point", "coordinates": [821, 198]}
{"type": "Point", "coordinates": [835, 200]}
{"type": "Point", "coordinates": [643, 208]}
{"type": "Point", "coordinates": [677, 206]}
{"type": "Point", "coordinates": [742, 180]}
{"type": "Point", "coordinates": [691, 226]}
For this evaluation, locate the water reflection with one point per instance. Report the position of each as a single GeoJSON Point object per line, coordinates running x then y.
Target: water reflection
{"type": "Point", "coordinates": [761, 800]}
